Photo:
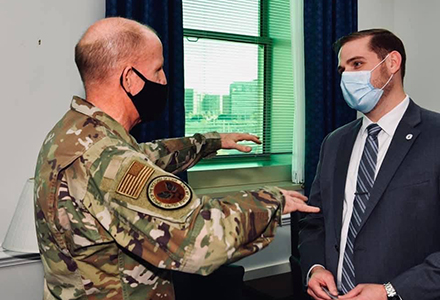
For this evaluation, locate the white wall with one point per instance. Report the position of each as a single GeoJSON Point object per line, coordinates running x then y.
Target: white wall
{"type": "Point", "coordinates": [37, 82]}
{"type": "Point", "coordinates": [416, 23]}
{"type": "Point", "coordinates": [22, 281]}
{"type": "Point", "coordinates": [376, 14]}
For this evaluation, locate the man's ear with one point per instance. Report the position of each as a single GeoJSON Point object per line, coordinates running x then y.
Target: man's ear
{"type": "Point", "coordinates": [395, 61]}
{"type": "Point", "coordinates": [127, 79]}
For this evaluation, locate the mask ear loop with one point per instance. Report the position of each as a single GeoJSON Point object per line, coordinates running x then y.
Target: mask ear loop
{"type": "Point", "coordinates": [391, 77]}
{"type": "Point", "coordinates": [380, 62]}
{"type": "Point", "coordinates": [138, 74]}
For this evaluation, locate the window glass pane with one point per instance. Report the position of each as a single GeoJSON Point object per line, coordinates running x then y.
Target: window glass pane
{"type": "Point", "coordinates": [223, 89]}
{"type": "Point", "coordinates": [228, 16]}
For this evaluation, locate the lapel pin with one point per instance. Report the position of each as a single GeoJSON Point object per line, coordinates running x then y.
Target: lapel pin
{"type": "Point", "coordinates": [409, 136]}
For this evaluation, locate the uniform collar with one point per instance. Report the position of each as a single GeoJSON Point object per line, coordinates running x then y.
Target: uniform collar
{"type": "Point", "coordinates": [86, 108]}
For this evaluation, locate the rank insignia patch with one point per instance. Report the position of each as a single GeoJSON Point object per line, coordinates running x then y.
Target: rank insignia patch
{"type": "Point", "coordinates": [168, 192]}
{"type": "Point", "coordinates": [134, 180]}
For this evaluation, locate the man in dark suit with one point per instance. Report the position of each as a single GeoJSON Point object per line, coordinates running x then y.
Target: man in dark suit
{"type": "Point", "coordinates": [377, 236]}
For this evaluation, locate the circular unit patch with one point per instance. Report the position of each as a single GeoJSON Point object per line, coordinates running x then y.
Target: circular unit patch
{"type": "Point", "coordinates": [168, 192]}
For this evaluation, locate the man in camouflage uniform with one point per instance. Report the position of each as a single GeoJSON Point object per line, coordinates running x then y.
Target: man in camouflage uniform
{"type": "Point", "coordinates": [112, 219]}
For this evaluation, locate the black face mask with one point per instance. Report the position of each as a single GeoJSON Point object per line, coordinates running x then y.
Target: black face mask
{"type": "Point", "coordinates": [151, 100]}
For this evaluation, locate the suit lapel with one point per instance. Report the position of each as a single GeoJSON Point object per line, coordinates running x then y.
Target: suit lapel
{"type": "Point", "coordinates": [342, 161]}
{"type": "Point", "coordinates": [403, 139]}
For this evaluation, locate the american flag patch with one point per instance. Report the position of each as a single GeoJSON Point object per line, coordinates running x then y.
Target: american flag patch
{"type": "Point", "coordinates": [134, 180]}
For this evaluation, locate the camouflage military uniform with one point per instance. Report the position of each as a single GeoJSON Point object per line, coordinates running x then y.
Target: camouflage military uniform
{"type": "Point", "coordinates": [112, 220]}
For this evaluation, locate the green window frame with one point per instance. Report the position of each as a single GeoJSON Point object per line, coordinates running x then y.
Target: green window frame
{"type": "Point", "coordinates": [273, 65]}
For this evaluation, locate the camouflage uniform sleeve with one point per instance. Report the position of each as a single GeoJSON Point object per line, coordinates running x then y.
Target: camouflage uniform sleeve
{"type": "Point", "coordinates": [179, 154]}
{"type": "Point", "coordinates": [157, 217]}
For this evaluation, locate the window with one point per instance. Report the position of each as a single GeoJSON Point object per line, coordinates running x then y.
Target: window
{"type": "Point", "coordinates": [238, 71]}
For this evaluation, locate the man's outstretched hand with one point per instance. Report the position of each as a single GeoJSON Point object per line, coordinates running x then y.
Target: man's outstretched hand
{"type": "Point", "coordinates": [229, 141]}
{"type": "Point", "coordinates": [297, 202]}
{"type": "Point", "coordinates": [294, 200]}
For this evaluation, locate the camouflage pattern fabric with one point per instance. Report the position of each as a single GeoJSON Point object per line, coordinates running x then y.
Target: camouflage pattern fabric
{"type": "Point", "coordinates": [112, 219]}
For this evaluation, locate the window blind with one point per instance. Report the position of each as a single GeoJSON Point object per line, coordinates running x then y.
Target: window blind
{"type": "Point", "coordinates": [238, 70]}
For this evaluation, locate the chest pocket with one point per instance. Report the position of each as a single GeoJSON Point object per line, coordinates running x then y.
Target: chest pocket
{"type": "Point", "coordinates": [411, 181]}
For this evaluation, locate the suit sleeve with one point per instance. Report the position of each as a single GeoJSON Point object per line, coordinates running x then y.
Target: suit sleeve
{"type": "Point", "coordinates": [157, 217]}
{"type": "Point", "coordinates": [421, 282]}
{"type": "Point", "coordinates": [179, 154]}
{"type": "Point", "coordinates": [312, 232]}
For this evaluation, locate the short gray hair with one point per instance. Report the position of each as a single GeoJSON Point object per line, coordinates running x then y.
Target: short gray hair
{"type": "Point", "coordinates": [101, 54]}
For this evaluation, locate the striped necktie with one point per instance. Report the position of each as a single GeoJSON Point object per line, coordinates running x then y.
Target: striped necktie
{"type": "Point", "coordinates": [365, 181]}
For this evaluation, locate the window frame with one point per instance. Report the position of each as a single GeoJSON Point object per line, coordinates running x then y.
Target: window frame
{"type": "Point", "coordinates": [267, 43]}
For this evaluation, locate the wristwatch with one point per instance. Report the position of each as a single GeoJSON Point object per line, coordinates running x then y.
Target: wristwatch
{"type": "Point", "coordinates": [391, 292]}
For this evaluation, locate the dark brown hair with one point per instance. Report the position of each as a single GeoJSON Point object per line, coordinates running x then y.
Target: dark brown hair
{"type": "Point", "coordinates": [382, 42]}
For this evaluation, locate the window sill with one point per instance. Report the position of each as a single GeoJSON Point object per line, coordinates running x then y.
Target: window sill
{"type": "Point", "coordinates": [218, 178]}
{"type": "Point", "coordinates": [231, 163]}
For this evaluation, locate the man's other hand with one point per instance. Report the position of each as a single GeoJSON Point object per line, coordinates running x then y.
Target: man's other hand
{"type": "Point", "coordinates": [229, 141]}
{"type": "Point", "coordinates": [319, 278]}
{"type": "Point", "coordinates": [366, 292]}
{"type": "Point", "coordinates": [296, 202]}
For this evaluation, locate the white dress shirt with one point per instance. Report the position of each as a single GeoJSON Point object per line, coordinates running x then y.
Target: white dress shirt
{"type": "Point", "coordinates": [388, 123]}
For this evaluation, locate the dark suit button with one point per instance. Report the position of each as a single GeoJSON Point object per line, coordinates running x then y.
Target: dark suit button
{"type": "Point", "coordinates": [337, 248]}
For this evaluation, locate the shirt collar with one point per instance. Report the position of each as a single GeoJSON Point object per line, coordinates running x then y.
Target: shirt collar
{"type": "Point", "coordinates": [86, 108]}
{"type": "Point", "coordinates": [390, 121]}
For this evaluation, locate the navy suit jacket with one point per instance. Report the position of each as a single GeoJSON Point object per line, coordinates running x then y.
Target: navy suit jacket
{"type": "Point", "coordinates": [399, 238]}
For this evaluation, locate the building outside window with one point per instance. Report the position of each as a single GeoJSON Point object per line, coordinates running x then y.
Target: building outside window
{"type": "Point", "coordinates": [238, 71]}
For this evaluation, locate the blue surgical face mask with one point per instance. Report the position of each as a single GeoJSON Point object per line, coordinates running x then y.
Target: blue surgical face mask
{"type": "Point", "coordinates": [358, 91]}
